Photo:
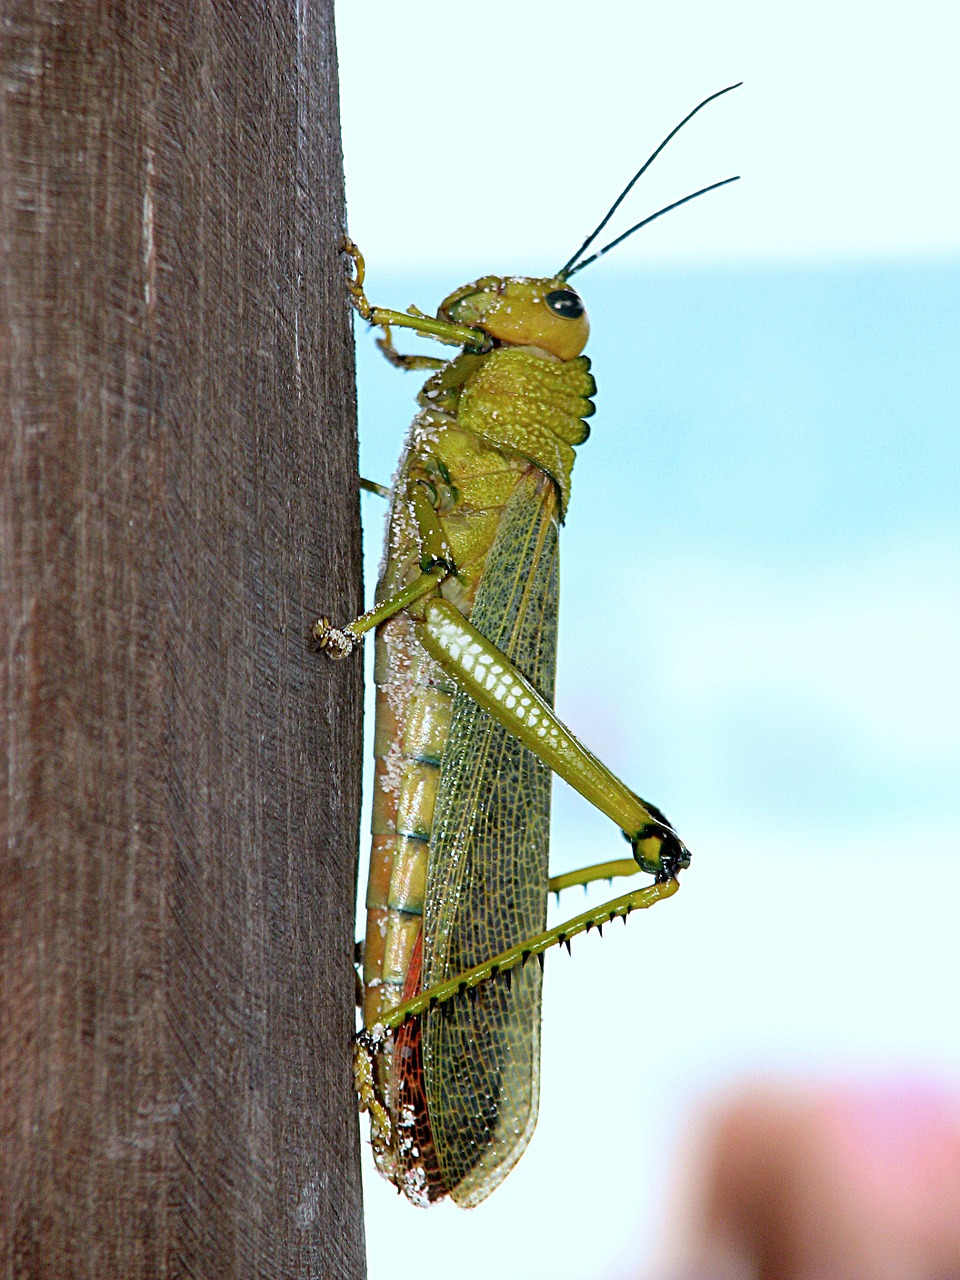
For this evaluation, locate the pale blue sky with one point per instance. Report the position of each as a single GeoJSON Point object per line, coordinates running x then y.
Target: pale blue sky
{"type": "Point", "coordinates": [761, 568]}
{"type": "Point", "coordinates": [478, 135]}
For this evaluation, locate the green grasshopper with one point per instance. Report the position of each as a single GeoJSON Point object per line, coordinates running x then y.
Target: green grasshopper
{"type": "Point", "coordinates": [466, 739]}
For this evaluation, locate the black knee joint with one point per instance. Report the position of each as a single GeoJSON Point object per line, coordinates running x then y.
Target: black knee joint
{"type": "Point", "coordinates": [672, 854]}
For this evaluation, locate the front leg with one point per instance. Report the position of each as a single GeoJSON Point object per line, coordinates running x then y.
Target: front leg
{"type": "Point", "coordinates": [454, 335]}
{"type": "Point", "coordinates": [493, 681]}
{"type": "Point", "coordinates": [400, 361]}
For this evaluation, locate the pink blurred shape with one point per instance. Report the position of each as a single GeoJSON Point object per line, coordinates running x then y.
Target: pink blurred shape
{"type": "Point", "coordinates": [833, 1181]}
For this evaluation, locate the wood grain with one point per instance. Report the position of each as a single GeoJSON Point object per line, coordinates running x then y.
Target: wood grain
{"type": "Point", "coordinates": [177, 501]}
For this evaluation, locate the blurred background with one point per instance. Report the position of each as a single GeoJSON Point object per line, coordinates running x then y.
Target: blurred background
{"type": "Point", "coordinates": [760, 614]}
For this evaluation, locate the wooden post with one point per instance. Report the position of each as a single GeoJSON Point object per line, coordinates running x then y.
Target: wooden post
{"type": "Point", "coordinates": [177, 502]}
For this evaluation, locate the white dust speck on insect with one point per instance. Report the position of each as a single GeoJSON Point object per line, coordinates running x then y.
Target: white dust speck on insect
{"type": "Point", "coordinates": [393, 767]}
{"type": "Point", "coordinates": [414, 1187]}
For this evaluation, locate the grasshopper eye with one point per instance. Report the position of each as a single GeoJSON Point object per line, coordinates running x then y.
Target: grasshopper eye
{"type": "Point", "coordinates": [566, 303]}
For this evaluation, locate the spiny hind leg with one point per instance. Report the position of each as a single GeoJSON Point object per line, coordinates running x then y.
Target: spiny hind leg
{"type": "Point", "coordinates": [589, 875]}
{"type": "Point", "coordinates": [503, 964]}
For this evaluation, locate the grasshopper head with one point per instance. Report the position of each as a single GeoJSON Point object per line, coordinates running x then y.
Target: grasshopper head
{"type": "Point", "coordinates": [517, 311]}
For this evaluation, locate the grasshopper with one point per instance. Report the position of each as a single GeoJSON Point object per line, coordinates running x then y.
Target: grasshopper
{"type": "Point", "coordinates": [466, 739]}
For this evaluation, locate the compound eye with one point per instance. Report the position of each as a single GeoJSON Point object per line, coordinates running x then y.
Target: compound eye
{"type": "Point", "coordinates": [566, 303]}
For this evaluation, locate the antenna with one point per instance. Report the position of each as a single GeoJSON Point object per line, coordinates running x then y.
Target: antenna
{"type": "Point", "coordinates": [569, 268]}
{"type": "Point", "coordinates": [636, 227]}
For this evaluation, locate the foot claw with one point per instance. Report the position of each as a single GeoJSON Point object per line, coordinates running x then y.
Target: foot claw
{"type": "Point", "coordinates": [334, 642]}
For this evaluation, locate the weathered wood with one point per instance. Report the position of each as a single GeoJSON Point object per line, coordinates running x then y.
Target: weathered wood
{"type": "Point", "coordinates": [177, 497]}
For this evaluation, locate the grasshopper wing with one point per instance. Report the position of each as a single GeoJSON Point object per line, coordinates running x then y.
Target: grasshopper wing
{"type": "Point", "coordinates": [487, 879]}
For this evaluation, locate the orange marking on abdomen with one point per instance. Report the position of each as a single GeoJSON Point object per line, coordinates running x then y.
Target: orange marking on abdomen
{"type": "Point", "coordinates": [414, 1146]}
